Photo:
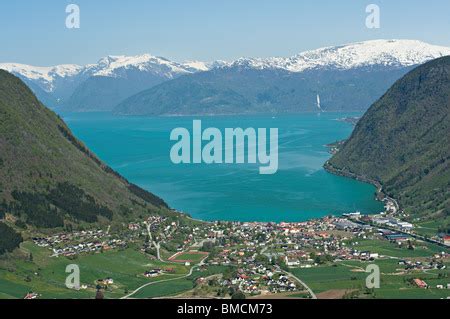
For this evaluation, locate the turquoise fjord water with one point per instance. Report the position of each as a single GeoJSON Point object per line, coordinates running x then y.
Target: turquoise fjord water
{"type": "Point", "coordinates": [139, 148]}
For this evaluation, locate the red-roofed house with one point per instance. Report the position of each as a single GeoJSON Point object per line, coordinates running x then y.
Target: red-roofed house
{"type": "Point", "coordinates": [420, 283]}
{"type": "Point", "coordinates": [446, 240]}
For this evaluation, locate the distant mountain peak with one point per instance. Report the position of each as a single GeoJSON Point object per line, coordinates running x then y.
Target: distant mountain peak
{"type": "Point", "coordinates": [44, 75]}
{"type": "Point", "coordinates": [109, 66]}
{"type": "Point", "coordinates": [116, 77]}
{"type": "Point", "coordinates": [394, 53]}
{"type": "Point", "coordinates": [113, 65]}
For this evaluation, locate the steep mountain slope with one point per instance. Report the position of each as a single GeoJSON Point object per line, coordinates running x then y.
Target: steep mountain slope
{"type": "Point", "coordinates": [48, 178]}
{"type": "Point", "coordinates": [349, 77]}
{"type": "Point", "coordinates": [403, 141]}
{"type": "Point", "coordinates": [98, 93]}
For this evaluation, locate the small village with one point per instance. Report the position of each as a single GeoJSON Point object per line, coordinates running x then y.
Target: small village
{"type": "Point", "coordinates": [261, 255]}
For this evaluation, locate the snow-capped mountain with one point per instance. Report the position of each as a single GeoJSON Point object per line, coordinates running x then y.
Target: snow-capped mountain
{"type": "Point", "coordinates": [394, 53]}
{"type": "Point", "coordinates": [115, 66]}
{"type": "Point", "coordinates": [389, 53]}
{"type": "Point", "coordinates": [347, 78]}
{"type": "Point", "coordinates": [113, 78]}
{"type": "Point", "coordinates": [93, 86]}
{"type": "Point", "coordinates": [45, 77]}
{"type": "Point", "coordinates": [110, 66]}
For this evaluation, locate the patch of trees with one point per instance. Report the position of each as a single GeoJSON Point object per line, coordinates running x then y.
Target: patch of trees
{"type": "Point", "coordinates": [36, 209]}
{"type": "Point", "coordinates": [208, 246]}
{"type": "Point", "coordinates": [321, 259]}
{"type": "Point", "coordinates": [3, 208]}
{"type": "Point", "coordinates": [21, 224]}
{"type": "Point", "coordinates": [445, 229]}
{"type": "Point", "coordinates": [146, 196]}
{"type": "Point", "coordinates": [75, 202]}
{"type": "Point", "coordinates": [48, 210]}
{"type": "Point", "coordinates": [9, 239]}
{"type": "Point", "coordinates": [238, 295]}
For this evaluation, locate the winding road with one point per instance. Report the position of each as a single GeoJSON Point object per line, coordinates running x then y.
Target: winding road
{"type": "Point", "coordinates": [165, 280]}
{"type": "Point", "coordinates": [160, 281]}
{"type": "Point", "coordinates": [313, 295]}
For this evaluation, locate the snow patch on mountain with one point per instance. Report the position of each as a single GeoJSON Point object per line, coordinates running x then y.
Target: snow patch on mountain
{"type": "Point", "coordinates": [389, 53]}
{"type": "Point", "coordinates": [196, 66]}
{"type": "Point", "coordinates": [392, 53]}
{"type": "Point", "coordinates": [110, 66]}
{"type": "Point", "coordinates": [113, 66]}
{"type": "Point", "coordinates": [45, 76]}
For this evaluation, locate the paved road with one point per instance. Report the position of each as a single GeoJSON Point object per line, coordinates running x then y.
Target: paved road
{"type": "Point", "coordinates": [157, 245]}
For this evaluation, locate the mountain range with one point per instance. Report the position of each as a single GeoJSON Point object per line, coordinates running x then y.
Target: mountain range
{"type": "Point", "coordinates": [149, 85]}
{"type": "Point", "coordinates": [97, 86]}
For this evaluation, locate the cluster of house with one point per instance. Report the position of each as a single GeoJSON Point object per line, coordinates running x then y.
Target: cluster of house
{"type": "Point", "coordinates": [296, 243]}
{"type": "Point", "coordinates": [86, 247]}
{"type": "Point", "coordinates": [282, 284]}
{"type": "Point", "coordinates": [62, 238]}
{"type": "Point", "coordinates": [88, 241]}
{"type": "Point", "coordinates": [70, 244]}
{"type": "Point", "coordinates": [260, 280]}
{"type": "Point", "coordinates": [153, 221]}
{"type": "Point", "coordinates": [419, 265]}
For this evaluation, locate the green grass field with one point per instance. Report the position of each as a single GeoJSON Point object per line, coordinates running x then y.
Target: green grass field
{"type": "Point", "coordinates": [386, 248]}
{"type": "Point", "coordinates": [192, 256]}
{"type": "Point", "coordinates": [324, 278]}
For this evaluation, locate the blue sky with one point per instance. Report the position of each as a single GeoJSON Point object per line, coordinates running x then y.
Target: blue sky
{"type": "Point", "coordinates": [34, 32]}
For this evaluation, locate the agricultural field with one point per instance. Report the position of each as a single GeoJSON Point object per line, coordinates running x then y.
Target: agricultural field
{"type": "Point", "coordinates": [181, 285]}
{"type": "Point", "coordinates": [431, 227]}
{"type": "Point", "coordinates": [349, 277]}
{"type": "Point", "coordinates": [46, 275]}
{"type": "Point", "coordinates": [388, 249]}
